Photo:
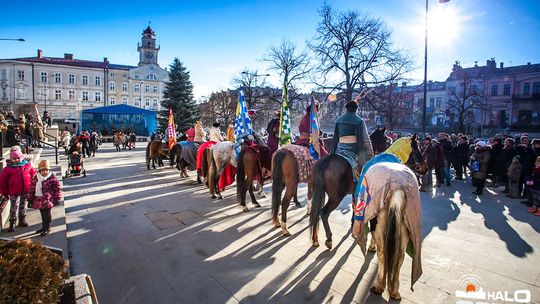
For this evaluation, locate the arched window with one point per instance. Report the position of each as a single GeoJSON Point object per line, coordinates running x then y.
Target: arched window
{"type": "Point", "coordinates": [151, 77]}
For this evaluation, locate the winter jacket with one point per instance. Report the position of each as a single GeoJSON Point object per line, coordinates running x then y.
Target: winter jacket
{"type": "Point", "coordinates": [429, 155]}
{"type": "Point", "coordinates": [528, 158]}
{"type": "Point", "coordinates": [461, 154]}
{"type": "Point", "coordinates": [51, 193]}
{"type": "Point", "coordinates": [505, 159]}
{"type": "Point", "coordinates": [496, 150]}
{"type": "Point", "coordinates": [16, 179]}
{"type": "Point", "coordinates": [514, 171]}
{"type": "Point", "coordinates": [482, 155]}
{"type": "Point", "coordinates": [447, 148]}
{"type": "Point", "coordinates": [439, 156]}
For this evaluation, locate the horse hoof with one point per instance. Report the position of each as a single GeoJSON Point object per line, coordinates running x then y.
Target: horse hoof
{"type": "Point", "coordinates": [377, 290]}
{"type": "Point", "coordinates": [315, 244]}
{"type": "Point", "coordinates": [328, 244]}
{"type": "Point", "coordinates": [245, 209]}
{"type": "Point", "coordinates": [298, 205]}
{"type": "Point", "coordinates": [220, 197]}
{"type": "Point", "coordinates": [372, 249]}
{"type": "Point", "coordinates": [263, 195]}
{"type": "Point", "coordinates": [257, 205]}
{"type": "Point", "coordinates": [284, 230]}
{"type": "Point", "coordinates": [276, 223]}
{"type": "Point", "coordinates": [213, 196]}
{"type": "Point", "coordinates": [395, 296]}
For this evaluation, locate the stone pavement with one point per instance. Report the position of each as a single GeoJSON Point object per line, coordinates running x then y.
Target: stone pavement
{"type": "Point", "coordinates": [151, 237]}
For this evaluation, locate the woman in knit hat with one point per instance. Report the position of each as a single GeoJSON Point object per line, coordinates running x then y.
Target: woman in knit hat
{"type": "Point", "coordinates": [45, 193]}
{"type": "Point", "coordinates": [15, 183]}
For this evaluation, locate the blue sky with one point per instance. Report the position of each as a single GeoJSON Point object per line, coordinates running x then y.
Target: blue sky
{"type": "Point", "coordinates": [217, 39]}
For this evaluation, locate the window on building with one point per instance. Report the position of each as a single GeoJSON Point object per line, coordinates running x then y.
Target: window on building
{"type": "Point", "coordinates": [57, 77]}
{"type": "Point", "coordinates": [85, 79]}
{"type": "Point", "coordinates": [155, 102]}
{"type": "Point", "coordinates": [147, 101]}
{"type": "Point", "coordinates": [527, 88]}
{"type": "Point", "coordinates": [431, 102]}
{"type": "Point", "coordinates": [42, 94]}
{"type": "Point", "coordinates": [136, 76]}
{"type": "Point", "coordinates": [3, 74]}
{"type": "Point", "coordinates": [21, 93]}
{"type": "Point", "coordinates": [137, 101]}
{"type": "Point", "coordinates": [124, 87]}
{"type": "Point", "coordinates": [111, 74]}
{"type": "Point", "coordinates": [124, 75]}
{"type": "Point", "coordinates": [97, 96]}
{"type": "Point", "coordinates": [98, 80]}
{"type": "Point", "coordinates": [137, 87]}
{"type": "Point", "coordinates": [71, 78]}
{"type": "Point", "coordinates": [494, 90]}
{"type": "Point", "coordinates": [506, 89]}
{"type": "Point", "coordinates": [147, 89]}
{"type": "Point", "coordinates": [112, 100]}
{"type": "Point", "coordinates": [124, 100]}
{"type": "Point", "coordinates": [155, 89]}
{"type": "Point", "coordinates": [420, 102]}
{"type": "Point", "coordinates": [57, 94]}
{"type": "Point", "coordinates": [151, 77]}
{"type": "Point", "coordinates": [439, 102]}
{"type": "Point", "coordinates": [474, 89]}
{"type": "Point", "coordinates": [112, 85]}
{"type": "Point", "coordinates": [536, 88]}
{"type": "Point", "coordinates": [71, 95]}
{"type": "Point", "coordinates": [21, 75]}
{"type": "Point", "coordinates": [84, 95]}
{"type": "Point", "coordinates": [43, 76]}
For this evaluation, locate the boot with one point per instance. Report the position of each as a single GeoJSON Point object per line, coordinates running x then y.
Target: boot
{"type": "Point", "coordinates": [11, 226]}
{"type": "Point", "coordinates": [22, 221]}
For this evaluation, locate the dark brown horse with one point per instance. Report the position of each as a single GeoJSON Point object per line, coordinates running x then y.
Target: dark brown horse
{"type": "Point", "coordinates": [379, 140]}
{"type": "Point", "coordinates": [251, 161]}
{"type": "Point", "coordinates": [183, 156]}
{"type": "Point", "coordinates": [333, 175]}
{"type": "Point", "coordinates": [155, 153]}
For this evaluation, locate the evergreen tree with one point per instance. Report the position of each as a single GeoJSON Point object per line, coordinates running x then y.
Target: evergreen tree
{"type": "Point", "coordinates": [178, 96]}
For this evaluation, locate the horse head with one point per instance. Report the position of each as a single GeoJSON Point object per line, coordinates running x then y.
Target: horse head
{"type": "Point", "coordinates": [379, 140]}
{"type": "Point", "coordinates": [416, 161]}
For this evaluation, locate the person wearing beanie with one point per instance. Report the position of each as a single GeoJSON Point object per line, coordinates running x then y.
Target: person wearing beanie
{"type": "Point", "coordinates": [15, 183]}
{"type": "Point", "coordinates": [479, 165]}
{"type": "Point", "coordinates": [45, 192]}
{"type": "Point", "coordinates": [514, 173]}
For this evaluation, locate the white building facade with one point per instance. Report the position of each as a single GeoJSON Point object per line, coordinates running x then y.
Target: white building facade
{"type": "Point", "coordinates": [65, 86]}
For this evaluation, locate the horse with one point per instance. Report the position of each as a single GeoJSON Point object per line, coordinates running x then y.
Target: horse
{"type": "Point", "coordinates": [183, 156]}
{"type": "Point", "coordinates": [379, 140]}
{"type": "Point", "coordinates": [251, 161]}
{"type": "Point", "coordinates": [219, 155]}
{"type": "Point", "coordinates": [333, 175]}
{"type": "Point", "coordinates": [155, 153]}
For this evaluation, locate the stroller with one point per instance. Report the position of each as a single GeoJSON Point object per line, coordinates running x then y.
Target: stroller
{"type": "Point", "coordinates": [75, 165]}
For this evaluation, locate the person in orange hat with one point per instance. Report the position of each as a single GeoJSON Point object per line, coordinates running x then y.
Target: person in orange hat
{"type": "Point", "coordinates": [45, 192]}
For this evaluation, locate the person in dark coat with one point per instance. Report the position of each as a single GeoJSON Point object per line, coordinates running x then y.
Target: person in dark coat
{"type": "Point", "coordinates": [496, 150]}
{"type": "Point", "coordinates": [429, 155]}
{"type": "Point", "coordinates": [273, 133]}
{"type": "Point", "coordinates": [460, 157]}
{"type": "Point", "coordinates": [447, 148]}
{"type": "Point", "coordinates": [527, 155]}
{"type": "Point", "coordinates": [439, 164]}
{"type": "Point", "coordinates": [481, 155]}
{"type": "Point", "coordinates": [507, 153]}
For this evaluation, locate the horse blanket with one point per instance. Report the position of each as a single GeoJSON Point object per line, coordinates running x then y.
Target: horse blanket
{"type": "Point", "coordinates": [226, 148]}
{"type": "Point", "coordinates": [200, 154]}
{"type": "Point", "coordinates": [381, 181]}
{"type": "Point", "coordinates": [304, 160]}
{"type": "Point", "coordinates": [264, 155]}
{"type": "Point", "coordinates": [189, 153]}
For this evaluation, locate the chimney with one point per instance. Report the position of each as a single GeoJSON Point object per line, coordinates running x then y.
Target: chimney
{"type": "Point", "coordinates": [68, 56]}
{"type": "Point", "coordinates": [501, 65]}
{"type": "Point", "coordinates": [529, 63]}
{"type": "Point", "coordinates": [39, 54]}
{"type": "Point", "coordinates": [491, 64]}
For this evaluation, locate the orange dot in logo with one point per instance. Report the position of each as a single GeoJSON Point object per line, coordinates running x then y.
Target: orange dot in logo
{"type": "Point", "coordinates": [470, 288]}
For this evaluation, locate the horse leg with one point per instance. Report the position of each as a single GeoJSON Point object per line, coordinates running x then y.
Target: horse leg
{"type": "Point", "coordinates": [373, 227]}
{"type": "Point", "coordinates": [380, 284]}
{"type": "Point", "coordinates": [253, 198]}
{"type": "Point", "coordinates": [260, 190]}
{"type": "Point", "coordinates": [199, 181]}
{"type": "Point", "coordinates": [289, 193]}
{"type": "Point", "coordinates": [296, 202]}
{"type": "Point", "coordinates": [393, 289]}
{"type": "Point", "coordinates": [219, 171]}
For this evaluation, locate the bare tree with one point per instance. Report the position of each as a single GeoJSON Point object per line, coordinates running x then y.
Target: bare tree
{"type": "Point", "coordinates": [391, 102]}
{"type": "Point", "coordinates": [464, 99]}
{"type": "Point", "coordinates": [291, 65]}
{"type": "Point", "coordinates": [354, 52]}
{"type": "Point", "coordinates": [249, 82]}
{"type": "Point", "coordinates": [221, 107]}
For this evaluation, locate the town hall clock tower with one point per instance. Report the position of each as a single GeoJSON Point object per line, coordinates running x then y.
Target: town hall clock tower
{"type": "Point", "coordinates": [148, 52]}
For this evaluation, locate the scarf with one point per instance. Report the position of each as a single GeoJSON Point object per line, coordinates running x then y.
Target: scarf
{"type": "Point", "coordinates": [39, 184]}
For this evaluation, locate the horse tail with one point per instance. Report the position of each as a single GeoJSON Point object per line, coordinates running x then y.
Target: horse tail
{"type": "Point", "coordinates": [393, 234]}
{"type": "Point", "coordinates": [148, 155]}
{"type": "Point", "coordinates": [172, 156]}
{"type": "Point", "coordinates": [240, 174]}
{"type": "Point", "coordinates": [318, 189]}
{"type": "Point", "coordinates": [205, 163]}
{"type": "Point", "coordinates": [277, 179]}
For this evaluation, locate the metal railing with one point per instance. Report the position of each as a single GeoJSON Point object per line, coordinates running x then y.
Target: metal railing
{"type": "Point", "coordinates": [55, 146]}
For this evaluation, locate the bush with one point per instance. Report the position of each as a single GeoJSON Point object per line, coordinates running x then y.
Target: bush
{"type": "Point", "coordinates": [30, 273]}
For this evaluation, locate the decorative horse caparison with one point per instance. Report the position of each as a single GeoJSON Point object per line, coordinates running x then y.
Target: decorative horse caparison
{"type": "Point", "coordinates": [183, 156]}
{"type": "Point", "coordinates": [155, 153]}
{"type": "Point", "coordinates": [333, 175]}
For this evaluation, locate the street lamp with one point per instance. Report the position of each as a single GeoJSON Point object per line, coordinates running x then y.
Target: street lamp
{"type": "Point", "coordinates": [424, 114]}
{"type": "Point", "coordinates": [13, 39]}
{"type": "Point", "coordinates": [255, 76]}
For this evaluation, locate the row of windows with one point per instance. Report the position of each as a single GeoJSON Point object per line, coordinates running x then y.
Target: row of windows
{"type": "Point", "coordinates": [507, 89]}
{"type": "Point", "coordinates": [434, 102]}
{"type": "Point", "coordinates": [85, 97]}
{"type": "Point", "coordinates": [112, 101]}
{"type": "Point", "coordinates": [44, 76]}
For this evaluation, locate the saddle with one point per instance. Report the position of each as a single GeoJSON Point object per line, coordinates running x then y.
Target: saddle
{"type": "Point", "coordinates": [265, 158]}
{"type": "Point", "coordinates": [304, 160]}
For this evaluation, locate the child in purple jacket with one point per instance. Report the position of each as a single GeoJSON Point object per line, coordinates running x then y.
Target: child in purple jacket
{"type": "Point", "coordinates": [45, 193]}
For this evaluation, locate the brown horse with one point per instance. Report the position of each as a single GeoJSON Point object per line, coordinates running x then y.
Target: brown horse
{"type": "Point", "coordinates": [379, 140]}
{"type": "Point", "coordinates": [251, 161]}
{"type": "Point", "coordinates": [155, 153]}
{"type": "Point", "coordinates": [183, 156]}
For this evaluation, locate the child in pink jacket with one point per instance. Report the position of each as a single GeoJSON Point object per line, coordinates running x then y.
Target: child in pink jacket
{"type": "Point", "coordinates": [45, 193]}
{"type": "Point", "coordinates": [15, 183]}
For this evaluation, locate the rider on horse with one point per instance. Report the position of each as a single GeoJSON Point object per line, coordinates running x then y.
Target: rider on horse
{"type": "Point", "coordinates": [215, 133]}
{"type": "Point", "coordinates": [351, 139]}
{"type": "Point", "coordinates": [273, 132]}
{"type": "Point", "coordinates": [304, 129]}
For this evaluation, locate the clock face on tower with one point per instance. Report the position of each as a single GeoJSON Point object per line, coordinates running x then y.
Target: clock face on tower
{"type": "Point", "coordinates": [148, 55]}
